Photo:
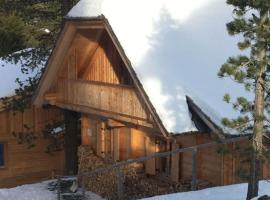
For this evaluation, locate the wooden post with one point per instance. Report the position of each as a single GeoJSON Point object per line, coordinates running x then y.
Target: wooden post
{"type": "Point", "coordinates": [194, 170]}
{"type": "Point", "coordinates": [175, 164]}
{"type": "Point", "coordinates": [85, 126]}
{"type": "Point", "coordinates": [150, 166]}
{"type": "Point", "coordinates": [103, 139]}
{"type": "Point", "coordinates": [120, 182]}
{"type": "Point", "coordinates": [116, 144]}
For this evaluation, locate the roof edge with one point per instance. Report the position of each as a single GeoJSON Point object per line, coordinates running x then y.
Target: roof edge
{"type": "Point", "coordinates": [205, 118]}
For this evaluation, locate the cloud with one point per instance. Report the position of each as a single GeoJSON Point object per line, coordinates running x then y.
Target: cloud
{"type": "Point", "coordinates": [138, 18]}
{"type": "Point", "coordinates": [161, 101]}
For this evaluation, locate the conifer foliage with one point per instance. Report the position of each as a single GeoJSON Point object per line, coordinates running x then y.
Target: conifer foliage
{"type": "Point", "coordinates": [28, 32]}
{"type": "Point", "coordinates": [252, 69]}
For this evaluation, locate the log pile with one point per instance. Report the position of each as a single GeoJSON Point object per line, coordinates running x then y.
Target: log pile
{"type": "Point", "coordinates": [136, 183]}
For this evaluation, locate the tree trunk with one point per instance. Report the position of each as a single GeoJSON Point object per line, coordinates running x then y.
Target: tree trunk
{"type": "Point", "coordinates": [253, 184]}
{"type": "Point", "coordinates": [257, 138]}
{"type": "Point", "coordinates": [71, 142]}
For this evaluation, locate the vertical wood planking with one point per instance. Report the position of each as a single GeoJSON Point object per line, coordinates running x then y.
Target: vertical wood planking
{"type": "Point", "coordinates": [175, 164]}
{"type": "Point", "coordinates": [116, 144]}
{"type": "Point", "coordinates": [128, 143]}
{"type": "Point", "coordinates": [150, 165]}
{"type": "Point", "coordinates": [103, 139]}
{"type": "Point", "coordinates": [98, 133]}
{"type": "Point", "coordinates": [85, 128]}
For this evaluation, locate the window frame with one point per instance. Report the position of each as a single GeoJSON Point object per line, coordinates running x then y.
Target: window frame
{"type": "Point", "coordinates": [5, 155]}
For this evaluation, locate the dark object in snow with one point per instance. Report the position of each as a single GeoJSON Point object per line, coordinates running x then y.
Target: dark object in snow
{"type": "Point", "coordinates": [66, 186]}
{"type": "Point", "coordinates": [72, 197]}
{"type": "Point", "coordinates": [264, 197]}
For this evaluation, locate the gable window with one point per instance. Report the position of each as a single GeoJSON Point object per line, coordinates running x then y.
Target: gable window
{"type": "Point", "coordinates": [2, 154]}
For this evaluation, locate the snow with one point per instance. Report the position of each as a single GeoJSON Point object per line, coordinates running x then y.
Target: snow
{"type": "Point", "coordinates": [231, 192]}
{"type": "Point", "coordinates": [36, 191]}
{"type": "Point", "coordinates": [165, 91]}
{"type": "Point", "coordinates": [39, 191]}
{"type": "Point", "coordinates": [9, 72]}
{"type": "Point", "coordinates": [58, 130]}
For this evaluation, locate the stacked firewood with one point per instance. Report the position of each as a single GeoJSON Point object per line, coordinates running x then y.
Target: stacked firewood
{"type": "Point", "coordinates": [104, 184]}
{"type": "Point", "coordinates": [136, 184]}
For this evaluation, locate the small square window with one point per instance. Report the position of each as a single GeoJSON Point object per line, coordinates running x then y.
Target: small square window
{"type": "Point", "coordinates": [2, 155]}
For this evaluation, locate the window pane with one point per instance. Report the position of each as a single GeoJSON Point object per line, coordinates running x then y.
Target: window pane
{"type": "Point", "coordinates": [2, 155]}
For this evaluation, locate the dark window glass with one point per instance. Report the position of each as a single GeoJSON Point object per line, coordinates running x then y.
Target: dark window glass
{"type": "Point", "coordinates": [2, 163]}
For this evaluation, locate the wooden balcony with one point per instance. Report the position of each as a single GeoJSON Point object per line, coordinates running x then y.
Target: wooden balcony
{"type": "Point", "coordinates": [98, 98]}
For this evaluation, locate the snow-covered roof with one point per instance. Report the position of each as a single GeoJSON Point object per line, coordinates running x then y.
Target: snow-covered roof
{"type": "Point", "coordinates": [9, 72]}
{"type": "Point", "coordinates": [138, 27]}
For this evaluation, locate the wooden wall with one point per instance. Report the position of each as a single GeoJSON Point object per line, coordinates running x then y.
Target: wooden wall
{"type": "Point", "coordinates": [107, 98]}
{"type": "Point", "coordinates": [25, 165]}
{"type": "Point", "coordinates": [106, 65]}
{"type": "Point", "coordinates": [97, 82]}
{"type": "Point", "coordinates": [213, 165]}
{"type": "Point", "coordinates": [120, 142]}
{"type": "Point", "coordinates": [209, 162]}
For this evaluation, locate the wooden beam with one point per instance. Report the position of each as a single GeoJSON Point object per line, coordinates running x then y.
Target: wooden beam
{"type": "Point", "coordinates": [114, 124]}
{"type": "Point", "coordinates": [50, 98]}
{"type": "Point", "coordinates": [105, 114]}
{"type": "Point", "coordinates": [54, 63]}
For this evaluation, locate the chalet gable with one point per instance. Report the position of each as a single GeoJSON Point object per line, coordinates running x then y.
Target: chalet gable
{"type": "Point", "coordinates": [88, 72]}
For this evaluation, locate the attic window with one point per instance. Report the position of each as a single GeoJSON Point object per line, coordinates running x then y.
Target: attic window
{"type": "Point", "coordinates": [2, 154]}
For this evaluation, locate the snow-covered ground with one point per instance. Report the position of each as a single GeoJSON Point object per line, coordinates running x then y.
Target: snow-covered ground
{"type": "Point", "coordinates": [36, 191]}
{"type": "Point", "coordinates": [231, 192]}
{"type": "Point", "coordinates": [39, 191]}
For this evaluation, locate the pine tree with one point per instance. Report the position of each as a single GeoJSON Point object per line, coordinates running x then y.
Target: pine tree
{"type": "Point", "coordinates": [28, 32]}
{"type": "Point", "coordinates": [252, 69]}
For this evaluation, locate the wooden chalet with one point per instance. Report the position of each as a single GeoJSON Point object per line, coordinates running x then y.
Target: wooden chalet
{"type": "Point", "coordinates": [90, 81]}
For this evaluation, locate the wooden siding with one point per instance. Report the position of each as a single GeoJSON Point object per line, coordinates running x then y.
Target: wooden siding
{"type": "Point", "coordinates": [27, 165]}
{"type": "Point", "coordinates": [209, 162]}
{"type": "Point", "coordinates": [96, 81]}
{"type": "Point", "coordinates": [109, 98]}
{"type": "Point", "coordinates": [120, 143]}
{"type": "Point", "coordinates": [106, 65]}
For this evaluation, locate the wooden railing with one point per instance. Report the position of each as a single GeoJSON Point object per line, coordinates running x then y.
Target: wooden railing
{"type": "Point", "coordinates": [120, 175]}
{"type": "Point", "coordinates": [114, 98]}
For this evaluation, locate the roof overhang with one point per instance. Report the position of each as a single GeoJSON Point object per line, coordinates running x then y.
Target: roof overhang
{"type": "Point", "coordinates": [194, 108]}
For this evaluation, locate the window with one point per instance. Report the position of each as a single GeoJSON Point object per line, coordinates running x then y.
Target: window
{"type": "Point", "coordinates": [2, 155]}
